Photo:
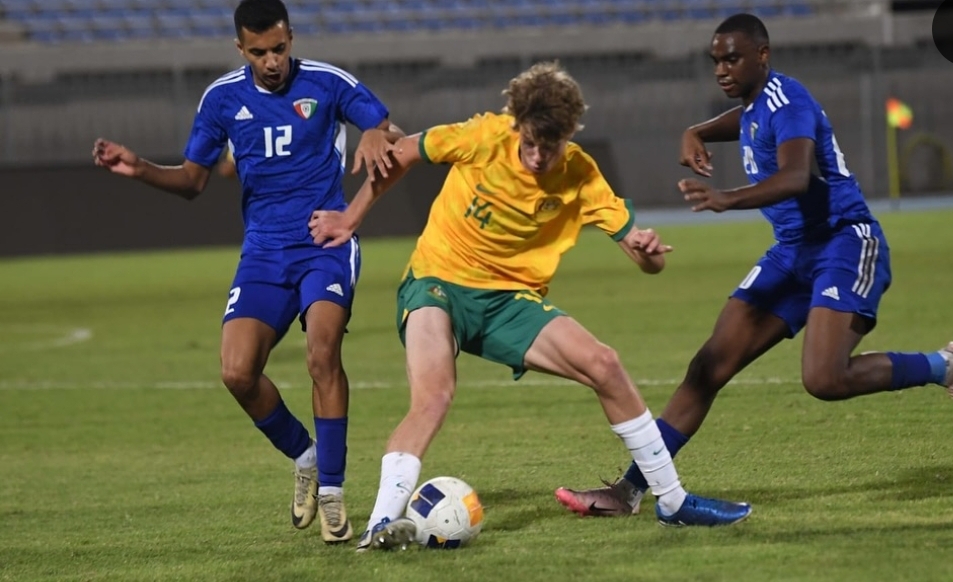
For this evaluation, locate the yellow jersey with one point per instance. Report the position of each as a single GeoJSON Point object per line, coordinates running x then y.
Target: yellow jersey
{"type": "Point", "coordinates": [494, 224]}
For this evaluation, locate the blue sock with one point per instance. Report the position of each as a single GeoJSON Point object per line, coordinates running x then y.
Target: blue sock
{"type": "Point", "coordinates": [332, 450]}
{"type": "Point", "coordinates": [916, 369]}
{"type": "Point", "coordinates": [674, 441]}
{"type": "Point", "coordinates": [285, 431]}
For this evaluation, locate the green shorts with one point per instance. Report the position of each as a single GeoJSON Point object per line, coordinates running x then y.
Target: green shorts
{"type": "Point", "coordinates": [499, 326]}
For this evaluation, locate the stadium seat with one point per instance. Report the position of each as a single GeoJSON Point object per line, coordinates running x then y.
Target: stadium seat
{"type": "Point", "coordinates": [139, 24]}
{"type": "Point", "coordinates": [55, 20]}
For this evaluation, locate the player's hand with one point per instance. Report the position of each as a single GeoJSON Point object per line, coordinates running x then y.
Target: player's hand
{"type": "Point", "coordinates": [695, 155]}
{"type": "Point", "coordinates": [373, 153]}
{"type": "Point", "coordinates": [114, 157]}
{"type": "Point", "coordinates": [330, 228]}
{"type": "Point", "coordinates": [703, 196]}
{"type": "Point", "coordinates": [647, 242]}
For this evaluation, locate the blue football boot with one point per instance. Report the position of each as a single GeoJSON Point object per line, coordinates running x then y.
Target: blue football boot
{"type": "Point", "coordinates": [697, 510]}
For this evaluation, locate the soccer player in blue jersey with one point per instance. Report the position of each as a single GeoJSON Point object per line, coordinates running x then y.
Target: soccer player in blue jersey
{"type": "Point", "coordinates": [283, 119]}
{"type": "Point", "coordinates": [825, 274]}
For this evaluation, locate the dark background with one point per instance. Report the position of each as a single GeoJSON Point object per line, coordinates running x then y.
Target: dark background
{"type": "Point", "coordinates": [83, 208]}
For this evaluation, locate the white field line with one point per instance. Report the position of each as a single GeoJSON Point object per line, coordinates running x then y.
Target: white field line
{"type": "Point", "coordinates": [55, 337]}
{"type": "Point", "coordinates": [358, 385]}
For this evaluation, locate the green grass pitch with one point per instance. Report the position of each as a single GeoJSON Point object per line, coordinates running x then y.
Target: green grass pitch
{"type": "Point", "coordinates": [123, 458]}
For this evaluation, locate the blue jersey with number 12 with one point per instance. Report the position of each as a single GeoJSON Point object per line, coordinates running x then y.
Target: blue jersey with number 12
{"type": "Point", "coordinates": [783, 111]}
{"type": "Point", "coordinates": [289, 146]}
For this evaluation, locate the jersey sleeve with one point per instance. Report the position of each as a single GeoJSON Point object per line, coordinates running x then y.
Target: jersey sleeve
{"type": "Point", "coordinates": [454, 142]}
{"type": "Point", "coordinates": [797, 119]}
{"type": "Point", "coordinates": [208, 137]}
{"type": "Point", "coordinates": [357, 105]}
{"type": "Point", "coordinates": [602, 208]}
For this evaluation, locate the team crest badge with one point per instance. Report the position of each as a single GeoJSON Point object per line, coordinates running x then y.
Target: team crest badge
{"type": "Point", "coordinates": [548, 207]}
{"type": "Point", "coordinates": [754, 129]}
{"type": "Point", "coordinates": [305, 107]}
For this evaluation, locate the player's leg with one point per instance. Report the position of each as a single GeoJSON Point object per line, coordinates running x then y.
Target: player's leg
{"type": "Point", "coordinates": [743, 332]}
{"type": "Point", "coordinates": [829, 371]}
{"type": "Point", "coordinates": [424, 311]}
{"type": "Point", "coordinates": [564, 348]}
{"type": "Point", "coordinates": [325, 323]}
{"type": "Point", "coordinates": [256, 317]}
{"type": "Point", "coordinates": [853, 271]}
{"type": "Point", "coordinates": [326, 292]}
{"type": "Point", "coordinates": [765, 308]}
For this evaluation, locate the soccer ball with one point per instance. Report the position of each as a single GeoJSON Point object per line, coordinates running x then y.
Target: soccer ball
{"type": "Point", "coordinates": [447, 512]}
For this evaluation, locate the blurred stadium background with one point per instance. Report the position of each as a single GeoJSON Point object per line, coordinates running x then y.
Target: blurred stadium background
{"type": "Point", "coordinates": [133, 71]}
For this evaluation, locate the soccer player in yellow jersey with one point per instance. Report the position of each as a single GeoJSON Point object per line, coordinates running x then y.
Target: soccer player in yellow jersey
{"type": "Point", "coordinates": [516, 197]}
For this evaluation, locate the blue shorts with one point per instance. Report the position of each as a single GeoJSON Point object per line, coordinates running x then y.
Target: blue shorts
{"type": "Point", "coordinates": [276, 286]}
{"type": "Point", "coordinates": [848, 272]}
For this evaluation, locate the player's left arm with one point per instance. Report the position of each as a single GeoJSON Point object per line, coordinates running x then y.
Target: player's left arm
{"type": "Point", "coordinates": [616, 217]}
{"type": "Point", "coordinates": [332, 228]}
{"type": "Point", "coordinates": [645, 248]}
{"type": "Point", "coordinates": [792, 179]}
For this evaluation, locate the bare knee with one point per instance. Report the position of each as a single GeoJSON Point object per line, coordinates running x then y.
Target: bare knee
{"type": "Point", "coordinates": [710, 370]}
{"type": "Point", "coordinates": [324, 360]}
{"type": "Point", "coordinates": [432, 408]}
{"type": "Point", "coordinates": [824, 384]}
{"type": "Point", "coordinates": [242, 382]}
{"type": "Point", "coordinates": [604, 368]}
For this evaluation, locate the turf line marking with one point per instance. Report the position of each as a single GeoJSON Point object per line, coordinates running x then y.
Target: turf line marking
{"type": "Point", "coordinates": [62, 337]}
{"type": "Point", "coordinates": [359, 385]}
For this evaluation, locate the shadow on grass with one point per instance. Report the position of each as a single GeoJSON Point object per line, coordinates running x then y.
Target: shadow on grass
{"type": "Point", "coordinates": [906, 485]}
{"type": "Point", "coordinates": [515, 509]}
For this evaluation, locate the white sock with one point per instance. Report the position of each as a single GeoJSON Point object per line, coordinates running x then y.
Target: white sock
{"type": "Point", "coordinates": [330, 490]}
{"type": "Point", "coordinates": [643, 439]}
{"type": "Point", "coordinates": [308, 459]}
{"type": "Point", "coordinates": [399, 475]}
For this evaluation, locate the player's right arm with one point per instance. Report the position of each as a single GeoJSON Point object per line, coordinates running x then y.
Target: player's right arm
{"type": "Point", "coordinates": [451, 143]}
{"type": "Point", "coordinates": [187, 180]}
{"type": "Point", "coordinates": [694, 154]}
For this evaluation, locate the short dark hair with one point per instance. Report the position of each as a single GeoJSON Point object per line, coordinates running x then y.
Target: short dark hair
{"type": "Point", "coordinates": [259, 15]}
{"type": "Point", "coordinates": [748, 25]}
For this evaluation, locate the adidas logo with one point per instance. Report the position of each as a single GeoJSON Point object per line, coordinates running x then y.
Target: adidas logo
{"type": "Point", "coordinates": [335, 288]}
{"type": "Point", "coordinates": [244, 114]}
{"type": "Point", "coordinates": [832, 293]}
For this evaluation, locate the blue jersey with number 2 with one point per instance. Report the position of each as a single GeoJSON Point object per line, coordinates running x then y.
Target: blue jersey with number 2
{"type": "Point", "coordinates": [783, 111]}
{"type": "Point", "coordinates": [289, 146]}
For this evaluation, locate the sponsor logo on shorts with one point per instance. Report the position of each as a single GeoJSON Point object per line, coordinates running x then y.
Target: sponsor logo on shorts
{"type": "Point", "coordinates": [832, 293]}
{"type": "Point", "coordinates": [437, 292]}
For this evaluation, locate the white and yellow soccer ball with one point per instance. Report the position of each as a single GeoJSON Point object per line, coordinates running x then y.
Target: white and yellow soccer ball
{"type": "Point", "coordinates": [447, 512]}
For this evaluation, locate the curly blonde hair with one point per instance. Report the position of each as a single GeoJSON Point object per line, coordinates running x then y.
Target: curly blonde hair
{"type": "Point", "coordinates": [546, 100]}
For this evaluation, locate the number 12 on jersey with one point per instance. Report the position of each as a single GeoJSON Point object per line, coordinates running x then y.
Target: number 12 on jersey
{"type": "Point", "coordinates": [276, 141]}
